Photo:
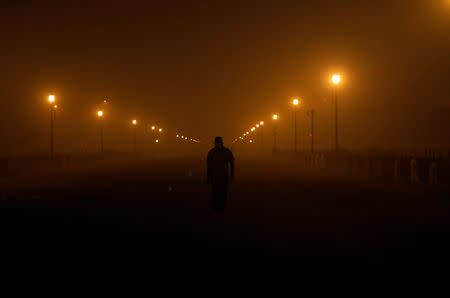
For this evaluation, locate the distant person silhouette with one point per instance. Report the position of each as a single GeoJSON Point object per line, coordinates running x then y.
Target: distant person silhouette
{"type": "Point", "coordinates": [218, 175]}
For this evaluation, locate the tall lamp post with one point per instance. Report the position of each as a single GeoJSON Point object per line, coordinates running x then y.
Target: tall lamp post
{"type": "Point", "coordinates": [51, 100]}
{"type": "Point", "coordinates": [295, 103]}
{"type": "Point", "coordinates": [100, 118]}
{"type": "Point", "coordinates": [336, 80]}
{"type": "Point", "coordinates": [275, 119]}
{"type": "Point", "coordinates": [261, 124]}
{"type": "Point", "coordinates": [134, 123]}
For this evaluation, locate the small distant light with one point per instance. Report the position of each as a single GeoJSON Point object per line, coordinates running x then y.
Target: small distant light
{"type": "Point", "coordinates": [100, 113]}
{"type": "Point", "coordinates": [251, 141]}
{"type": "Point", "coordinates": [253, 129]}
{"type": "Point", "coordinates": [257, 125]}
{"type": "Point", "coordinates": [262, 122]}
{"type": "Point", "coordinates": [310, 134]}
{"type": "Point", "coordinates": [51, 98]}
{"type": "Point", "coordinates": [178, 136]}
{"type": "Point", "coordinates": [275, 117]}
{"type": "Point", "coordinates": [295, 102]}
{"type": "Point", "coordinates": [55, 106]}
{"type": "Point", "coordinates": [153, 127]}
{"type": "Point", "coordinates": [134, 122]}
{"type": "Point", "coordinates": [160, 130]}
{"type": "Point", "coordinates": [157, 141]}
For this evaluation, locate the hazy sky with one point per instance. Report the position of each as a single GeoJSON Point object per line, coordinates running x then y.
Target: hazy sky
{"type": "Point", "coordinates": [217, 67]}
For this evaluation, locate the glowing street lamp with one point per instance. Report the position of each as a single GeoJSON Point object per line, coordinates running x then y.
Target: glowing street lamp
{"type": "Point", "coordinates": [261, 123]}
{"type": "Point", "coordinates": [51, 100]}
{"type": "Point", "coordinates": [275, 126]}
{"type": "Point", "coordinates": [153, 127]}
{"type": "Point", "coordinates": [295, 103]}
{"type": "Point", "coordinates": [160, 130]}
{"type": "Point", "coordinates": [257, 125]}
{"type": "Point", "coordinates": [134, 123]}
{"type": "Point", "coordinates": [336, 80]}
{"type": "Point", "coordinates": [100, 116]}
{"type": "Point", "coordinates": [156, 141]}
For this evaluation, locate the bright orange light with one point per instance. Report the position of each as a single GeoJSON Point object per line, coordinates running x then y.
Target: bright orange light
{"type": "Point", "coordinates": [336, 79]}
{"type": "Point", "coordinates": [134, 122]}
{"type": "Point", "coordinates": [275, 117]}
{"type": "Point", "coordinates": [100, 113]}
{"type": "Point", "coordinates": [251, 141]}
{"type": "Point", "coordinates": [257, 125]}
{"type": "Point", "coordinates": [253, 129]}
{"type": "Point", "coordinates": [153, 127]}
{"type": "Point", "coordinates": [178, 136]}
{"type": "Point", "coordinates": [262, 122]}
{"type": "Point", "coordinates": [160, 130]}
{"type": "Point", "coordinates": [295, 101]}
{"type": "Point", "coordinates": [157, 141]}
{"type": "Point", "coordinates": [51, 98]}
{"type": "Point", "coordinates": [55, 106]}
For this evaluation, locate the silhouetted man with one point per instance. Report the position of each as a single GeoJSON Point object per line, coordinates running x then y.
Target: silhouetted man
{"type": "Point", "coordinates": [217, 174]}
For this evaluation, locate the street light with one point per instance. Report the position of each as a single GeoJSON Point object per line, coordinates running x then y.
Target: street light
{"type": "Point", "coordinates": [262, 123]}
{"type": "Point", "coordinates": [275, 118]}
{"type": "Point", "coordinates": [257, 125]}
{"type": "Point", "coordinates": [336, 80]}
{"type": "Point", "coordinates": [100, 116]}
{"type": "Point", "coordinates": [51, 100]}
{"type": "Point", "coordinates": [295, 103]}
{"type": "Point", "coordinates": [160, 130]}
{"type": "Point", "coordinates": [134, 122]}
{"type": "Point", "coordinates": [153, 127]}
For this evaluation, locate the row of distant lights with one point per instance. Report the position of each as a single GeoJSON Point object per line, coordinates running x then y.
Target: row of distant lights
{"type": "Point", "coordinates": [134, 122]}
{"type": "Point", "coordinates": [251, 130]}
{"type": "Point", "coordinates": [335, 79]}
{"type": "Point", "coordinates": [187, 139]}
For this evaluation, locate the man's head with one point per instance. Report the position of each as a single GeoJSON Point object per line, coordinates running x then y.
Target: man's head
{"type": "Point", "coordinates": [218, 142]}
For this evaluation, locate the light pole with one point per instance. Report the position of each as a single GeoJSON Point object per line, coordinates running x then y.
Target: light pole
{"type": "Point", "coordinates": [275, 119]}
{"type": "Point", "coordinates": [261, 124]}
{"type": "Point", "coordinates": [336, 79]}
{"type": "Point", "coordinates": [295, 102]}
{"type": "Point", "coordinates": [51, 100]}
{"type": "Point", "coordinates": [100, 118]}
{"type": "Point", "coordinates": [134, 122]}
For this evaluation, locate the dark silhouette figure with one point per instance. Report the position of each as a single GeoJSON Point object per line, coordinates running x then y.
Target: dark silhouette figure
{"type": "Point", "coordinates": [218, 175]}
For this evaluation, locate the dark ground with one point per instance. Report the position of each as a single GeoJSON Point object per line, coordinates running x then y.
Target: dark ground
{"type": "Point", "coordinates": [279, 223]}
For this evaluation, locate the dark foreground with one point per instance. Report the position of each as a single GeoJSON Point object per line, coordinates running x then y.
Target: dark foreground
{"type": "Point", "coordinates": [279, 223]}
